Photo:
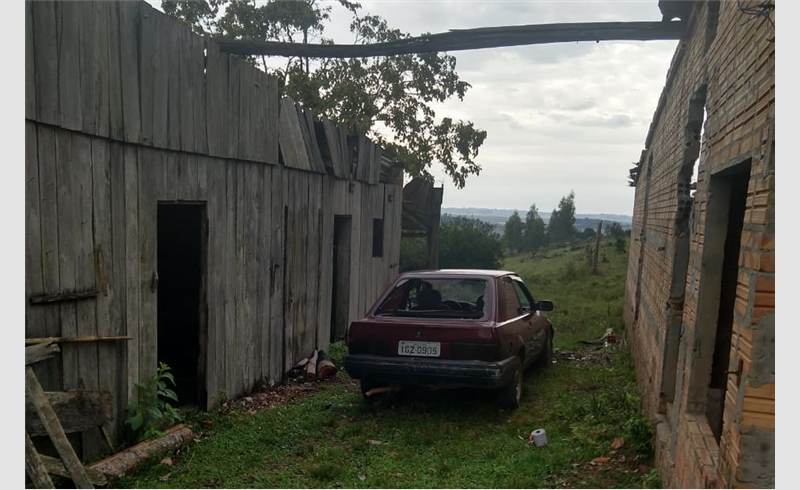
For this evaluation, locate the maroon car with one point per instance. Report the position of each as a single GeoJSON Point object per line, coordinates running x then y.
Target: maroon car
{"type": "Point", "coordinates": [451, 329]}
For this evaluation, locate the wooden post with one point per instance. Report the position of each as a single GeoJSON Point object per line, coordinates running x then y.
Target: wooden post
{"type": "Point", "coordinates": [597, 246]}
{"type": "Point", "coordinates": [435, 214]}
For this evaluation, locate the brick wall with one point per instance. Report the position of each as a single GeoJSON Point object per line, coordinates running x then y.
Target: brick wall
{"type": "Point", "coordinates": [726, 61]}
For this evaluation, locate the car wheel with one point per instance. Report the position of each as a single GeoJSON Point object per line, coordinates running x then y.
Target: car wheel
{"type": "Point", "coordinates": [511, 395]}
{"type": "Point", "coordinates": [546, 356]}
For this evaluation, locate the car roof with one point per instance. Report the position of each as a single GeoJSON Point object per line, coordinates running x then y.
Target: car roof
{"type": "Point", "coordinates": [458, 272]}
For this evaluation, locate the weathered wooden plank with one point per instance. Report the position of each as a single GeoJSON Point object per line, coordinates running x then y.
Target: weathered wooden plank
{"type": "Point", "coordinates": [332, 139]}
{"type": "Point", "coordinates": [34, 317]}
{"type": "Point", "coordinates": [46, 61]}
{"type": "Point", "coordinates": [292, 144]}
{"type": "Point", "coordinates": [108, 307]}
{"type": "Point", "coordinates": [71, 107]}
{"type": "Point", "coordinates": [34, 390]}
{"type": "Point", "coordinates": [86, 270]}
{"type": "Point", "coordinates": [116, 128]}
{"type": "Point", "coordinates": [215, 378]}
{"type": "Point", "coordinates": [148, 86]}
{"type": "Point", "coordinates": [240, 285]}
{"type": "Point", "coordinates": [130, 155]}
{"type": "Point", "coordinates": [40, 352]}
{"type": "Point", "coordinates": [132, 113]}
{"type": "Point", "coordinates": [326, 258]}
{"type": "Point", "coordinates": [30, 64]}
{"type": "Point", "coordinates": [264, 261]}
{"type": "Point", "coordinates": [77, 410]}
{"type": "Point", "coordinates": [229, 268]}
{"type": "Point", "coordinates": [197, 66]}
{"type": "Point", "coordinates": [216, 100]}
{"type": "Point", "coordinates": [376, 164]}
{"type": "Point", "coordinates": [259, 105]}
{"type": "Point", "coordinates": [312, 240]}
{"type": "Point", "coordinates": [277, 273]}
{"type": "Point", "coordinates": [95, 67]}
{"type": "Point", "coordinates": [306, 123]}
{"type": "Point", "coordinates": [463, 39]}
{"type": "Point", "coordinates": [163, 102]}
{"type": "Point", "coordinates": [48, 199]}
{"type": "Point", "coordinates": [272, 126]}
{"type": "Point", "coordinates": [175, 90]}
{"type": "Point", "coordinates": [201, 187]}
{"type": "Point", "coordinates": [86, 25]}
{"type": "Point", "coordinates": [246, 147]}
{"type": "Point", "coordinates": [34, 466]}
{"type": "Point", "coordinates": [252, 184]}
{"type": "Point", "coordinates": [354, 205]}
{"type": "Point", "coordinates": [68, 185]}
{"type": "Point", "coordinates": [148, 262]}
{"type": "Point", "coordinates": [302, 306]}
{"type": "Point", "coordinates": [233, 120]}
{"type": "Point", "coordinates": [185, 89]}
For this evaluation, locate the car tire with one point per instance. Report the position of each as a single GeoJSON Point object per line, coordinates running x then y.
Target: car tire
{"type": "Point", "coordinates": [546, 356]}
{"type": "Point", "coordinates": [511, 395]}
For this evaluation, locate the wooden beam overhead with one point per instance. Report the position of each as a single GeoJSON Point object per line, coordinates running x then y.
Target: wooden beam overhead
{"type": "Point", "coordinates": [466, 39]}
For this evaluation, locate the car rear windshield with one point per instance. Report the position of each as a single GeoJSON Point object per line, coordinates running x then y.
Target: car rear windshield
{"type": "Point", "coordinates": [437, 298]}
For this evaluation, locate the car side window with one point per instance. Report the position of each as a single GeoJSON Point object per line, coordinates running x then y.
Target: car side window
{"type": "Point", "coordinates": [510, 305]}
{"type": "Point", "coordinates": [525, 298]}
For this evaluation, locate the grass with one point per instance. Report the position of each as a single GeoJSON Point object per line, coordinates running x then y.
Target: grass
{"type": "Point", "coordinates": [448, 439]}
{"type": "Point", "coordinates": [586, 304]}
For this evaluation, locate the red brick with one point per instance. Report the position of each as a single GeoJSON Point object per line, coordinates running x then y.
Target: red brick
{"type": "Point", "coordinates": [765, 241]}
{"type": "Point", "coordinates": [765, 300]}
{"type": "Point", "coordinates": [765, 284]}
{"type": "Point", "coordinates": [766, 262]}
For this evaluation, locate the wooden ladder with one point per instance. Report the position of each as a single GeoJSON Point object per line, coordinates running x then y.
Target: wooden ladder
{"type": "Point", "coordinates": [39, 466]}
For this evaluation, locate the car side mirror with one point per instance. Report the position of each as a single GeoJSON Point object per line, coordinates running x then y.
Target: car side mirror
{"type": "Point", "coordinates": [544, 305]}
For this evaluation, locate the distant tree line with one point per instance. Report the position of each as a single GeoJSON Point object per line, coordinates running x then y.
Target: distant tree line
{"type": "Point", "coordinates": [533, 234]}
{"type": "Point", "coordinates": [470, 243]}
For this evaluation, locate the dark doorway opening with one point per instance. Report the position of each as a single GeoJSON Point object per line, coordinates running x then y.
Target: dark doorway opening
{"type": "Point", "coordinates": [340, 301]}
{"type": "Point", "coordinates": [181, 297]}
{"type": "Point", "coordinates": [732, 184]}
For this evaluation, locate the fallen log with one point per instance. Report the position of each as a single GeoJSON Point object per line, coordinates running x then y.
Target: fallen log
{"type": "Point", "coordinates": [118, 465]}
{"type": "Point", "coordinates": [325, 368]}
{"type": "Point", "coordinates": [311, 367]}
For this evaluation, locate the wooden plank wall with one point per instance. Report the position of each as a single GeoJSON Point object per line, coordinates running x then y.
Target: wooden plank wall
{"type": "Point", "coordinates": [143, 116]}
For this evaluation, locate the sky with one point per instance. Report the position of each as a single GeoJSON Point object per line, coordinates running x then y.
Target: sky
{"type": "Point", "coordinates": [559, 117]}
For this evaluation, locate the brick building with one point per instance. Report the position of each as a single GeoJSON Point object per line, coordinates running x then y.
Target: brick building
{"type": "Point", "coordinates": [700, 292]}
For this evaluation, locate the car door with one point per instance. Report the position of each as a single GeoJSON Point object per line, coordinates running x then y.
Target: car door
{"type": "Point", "coordinates": [512, 320]}
{"type": "Point", "coordinates": [535, 324]}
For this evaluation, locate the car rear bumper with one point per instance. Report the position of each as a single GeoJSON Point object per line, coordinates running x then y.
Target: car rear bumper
{"type": "Point", "coordinates": [430, 372]}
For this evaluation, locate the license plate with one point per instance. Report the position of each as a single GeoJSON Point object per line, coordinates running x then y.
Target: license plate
{"type": "Point", "coordinates": [423, 349]}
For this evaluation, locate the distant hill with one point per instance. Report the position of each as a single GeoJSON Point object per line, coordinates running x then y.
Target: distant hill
{"type": "Point", "coordinates": [498, 217]}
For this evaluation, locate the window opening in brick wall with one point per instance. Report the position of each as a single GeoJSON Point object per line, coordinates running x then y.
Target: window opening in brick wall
{"type": "Point", "coordinates": [681, 242]}
{"type": "Point", "coordinates": [730, 273]}
{"type": "Point", "coordinates": [713, 326]}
